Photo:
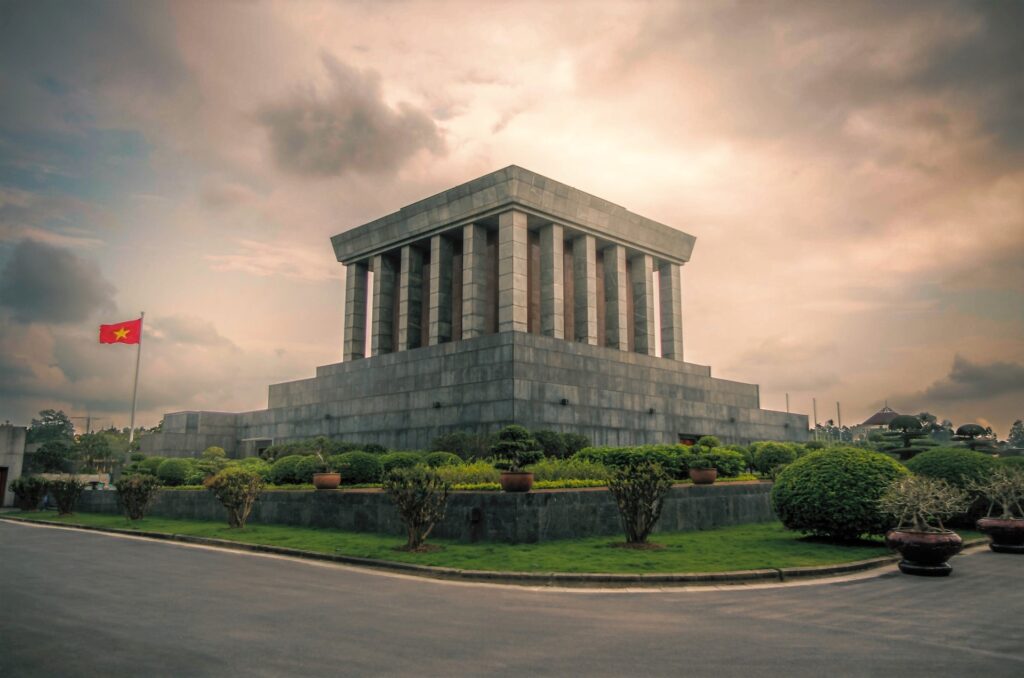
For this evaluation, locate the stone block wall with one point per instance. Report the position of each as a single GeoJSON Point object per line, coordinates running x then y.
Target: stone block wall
{"type": "Point", "coordinates": [474, 516]}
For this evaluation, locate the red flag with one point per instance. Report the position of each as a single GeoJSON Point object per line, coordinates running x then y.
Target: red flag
{"type": "Point", "coordinates": [127, 332]}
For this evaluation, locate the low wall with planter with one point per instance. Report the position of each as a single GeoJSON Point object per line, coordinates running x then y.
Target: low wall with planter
{"type": "Point", "coordinates": [473, 516]}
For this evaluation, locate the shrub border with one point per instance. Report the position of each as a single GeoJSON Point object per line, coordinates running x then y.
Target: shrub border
{"type": "Point", "coordinates": [559, 579]}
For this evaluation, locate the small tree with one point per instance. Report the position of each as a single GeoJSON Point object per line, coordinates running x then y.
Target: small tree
{"type": "Point", "coordinates": [51, 425]}
{"type": "Point", "coordinates": [53, 456]}
{"type": "Point", "coordinates": [237, 489]}
{"type": "Point", "coordinates": [95, 453]}
{"type": "Point", "coordinates": [515, 448]}
{"type": "Point", "coordinates": [976, 437]}
{"type": "Point", "coordinates": [906, 437]}
{"type": "Point", "coordinates": [920, 503]}
{"type": "Point", "coordinates": [420, 495]}
{"type": "Point", "coordinates": [1003, 488]}
{"type": "Point", "coordinates": [28, 492]}
{"type": "Point", "coordinates": [65, 491]}
{"type": "Point", "coordinates": [1016, 436]}
{"type": "Point", "coordinates": [639, 490]}
{"type": "Point", "coordinates": [135, 493]}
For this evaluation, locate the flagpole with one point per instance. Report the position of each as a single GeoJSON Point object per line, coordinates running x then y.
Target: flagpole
{"type": "Point", "coordinates": [135, 388]}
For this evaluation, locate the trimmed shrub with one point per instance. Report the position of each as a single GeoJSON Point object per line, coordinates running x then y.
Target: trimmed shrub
{"type": "Point", "coordinates": [396, 460]}
{"type": "Point", "coordinates": [151, 464]}
{"type": "Point", "coordinates": [237, 489]}
{"type": "Point", "coordinates": [729, 463]}
{"type": "Point", "coordinates": [671, 458]}
{"type": "Point", "coordinates": [957, 466]}
{"type": "Point", "coordinates": [135, 493]}
{"type": "Point", "coordinates": [65, 491]}
{"type": "Point", "coordinates": [174, 472]}
{"type": "Point", "coordinates": [769, 457]}
{"type": "Point", "coordinates": [285, 471]}
{"type": "Point", "coordinates": [359, 467]}
{"type": "Point", "coordinates": [567, 469]}
{"type": "Point", "coordinates": [436, 459]}
{"type": "Point", "coordinates": [256, 465]}
{"type": "Point", "coordinates": [472, 473]}
{"type": "Point", "coordinates": [639, 492]}
{"type": "Point", "coordinates": [551, 443]}
{"type": "Point", "coordinates": [420, 495]}
{"type": "Point", "coordinates": [515, 448]}
{"type": "Point", "coordinates": [834, 493]}
{"type": "Point", "coordinates": [1011, 462]}
{"type": "Point", "coordinates": [372, 448]}
{"type": "Point", "coordinates": [307, 466]}
{"type": "Point", "coordinates": [812, 445]}
{"type": "Point", "coordinates": [463, 443]}
{"type": "Point", "coordinates": [709, 442]}
{"type": "Point", "coordinates": [574, 442]}
{"type": "Point", "coordinates": [28, 492]}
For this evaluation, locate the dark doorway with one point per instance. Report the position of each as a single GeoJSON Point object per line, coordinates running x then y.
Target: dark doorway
{"type": "Point", "coordinates": [3, 485]}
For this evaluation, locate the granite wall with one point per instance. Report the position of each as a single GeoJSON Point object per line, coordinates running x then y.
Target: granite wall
{"type": "Point", "coordinates": [474, 516]}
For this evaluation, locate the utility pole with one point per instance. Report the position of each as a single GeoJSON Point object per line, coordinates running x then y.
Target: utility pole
{"type": "Point", "coordinates": [839, 415]}
{"type": "Point", "coordinates": [787, 403]}
{"type": "Point", "coordinates": [814, 404]}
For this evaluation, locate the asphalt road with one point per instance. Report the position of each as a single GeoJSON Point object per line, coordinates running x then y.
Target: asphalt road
{"type": "Point", "coordinates": [86, 604]}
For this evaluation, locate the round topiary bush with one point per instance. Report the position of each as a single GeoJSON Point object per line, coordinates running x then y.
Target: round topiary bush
{"type": "Point", "coordinates": [285, 471]}
{"type": "Point", "coordinates": [957, 466]}
{"type": "Point", "coordinates": [834, 493]}
{"type": "Point", "coordinates": [307, 466]}
{"type": "Point", "coordinates": [393, 460]}
{"type": "Point", "coordinates": [358, 467]}
{"type": "Point", "coordinates": [256, 465]}
{"type": "Point", "coordinates": [1012, 462]}
{"type": "Point", "coordinates": [769, 456]}
{"type": "Point", "coordinates": [436, 459]}
{"type": "Point", "coordinates": [174, 472]}
{"type": "Point", "coordinates": [729, 463]}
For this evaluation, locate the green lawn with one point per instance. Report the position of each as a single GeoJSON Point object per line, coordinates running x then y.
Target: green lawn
{"type": "Point", "coordinates": [744, 547]}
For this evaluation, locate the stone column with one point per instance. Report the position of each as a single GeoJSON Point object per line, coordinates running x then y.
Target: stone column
{"type": "Point", "coordinates": [355, 311]}
{"type": "Point", "coordinates": [670, 290]}
{"type": "Point", "coordinates": [410, 298]}
{"type": "Point", "coordinates": [512, 262]}
{"type": "Point", "coordinates": [474, 280]}
{"type": "Point", "coordinates": [382, 333]}
{"type": "Point", "coordinates": [441, 253]}
{"type": "Point", "coordinates": [584, 267]}
{"type": "Point", "coordinates": [552, 294]}
{"type": "Point", "coordinates": [642, 284]}
{"type": "Point", "coordinates": [616, 324]}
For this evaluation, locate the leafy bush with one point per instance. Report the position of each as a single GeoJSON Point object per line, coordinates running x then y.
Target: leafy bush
{"type": "Point", "coordinates": [396, 460]}
{"type": "Point", "coordinates": [372, 448]}
{"type": "Point", "coordinates": [286, 471]}
{"type": "Point", "coordinates": [639, 492]}
{"type": "Point", "coordinates": [515, 448]}
{"type": "Point", "coordinates": [672, 458]}
{"type": "Point", "coordinates": [174, 472]}
{"type": "Point", "coordinates": [151, 464]}
{"type": "Point", "coordinates": [1011, 462]}
{"type": "Point", "coordinates": [28, 492]}
{"type": "Point", "coordinates": [729, 463]}
{"type": "Point", "coordinates": [420, 495]}
{"type": "Point", "coordinates": [359, 467]}
{"type": "Point", "coordinates": [769, 457]}
{"type": "Point", "coordinates": [709, 442]}
{"type": "Point", "coordinates": [307, 466]}
{"type": "Point", "coordinates": [65, 491]}
{"type": "Point", "coordinates": [53, 456]}
{"type": "Point", "coordinates": [574, 442]}
{"type": "Point", "coordinates": [135, 493]}
{"type": "Point", "coordinates": [567, 469]}
{"type": "Point", "coordinates": [237, 489]}
{"type": "Point", "coordinates": [957, 466]}
{"type": "Point", "coordinates": [436, 459]}
{"type": "Point", "coordinates": [551, 443]}
{"type": "Point", "coordinates": [311, 445]}
{"type": "Point", "coordinates": [812, 445]}
{"type": "Point", "coordinates": [256, 465]}
{"type": "Point", "coordinates": [834, 493]}
{"type": "Point", "coordinates": [472, 473]}
{"type": "Point", "coordinates": [463, 443]}
{"type": "Point", "coordinates": [699, 463]}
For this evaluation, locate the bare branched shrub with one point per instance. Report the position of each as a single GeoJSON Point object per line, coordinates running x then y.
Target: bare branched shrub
{"type": "Point", "coordinates": [920, 503]}
{"type": "Point", "coordinates": [1003, 488]}
{"type": "Point", "coordinates": [639, 491]}
{"type": "Point", "coordinates": [420, 495]}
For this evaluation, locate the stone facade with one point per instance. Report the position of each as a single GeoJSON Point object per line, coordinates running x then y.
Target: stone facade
{"type": "Point", "coordinates": [518, 300]}
{"type": "Point", "coordinates": [12, 458]}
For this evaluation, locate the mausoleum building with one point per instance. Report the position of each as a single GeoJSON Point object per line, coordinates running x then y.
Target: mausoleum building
{"type": "Point", "coordinates": [512, 298]}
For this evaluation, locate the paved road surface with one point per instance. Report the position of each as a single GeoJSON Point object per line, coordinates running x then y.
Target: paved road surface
{"type": "Point", "coordinates": [77, 603]}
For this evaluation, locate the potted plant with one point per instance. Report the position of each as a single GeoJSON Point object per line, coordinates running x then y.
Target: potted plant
{"type": "Point", "coordinates": [919, 504]}
{"type": "Point", "coordinates": [702, 471]}
{"type": "Point", "coordinates": [328, 478]}
{"type": "Point", "coordinates": [1005, 489]}
{"type": "Point", "coordinates": [514, 449]}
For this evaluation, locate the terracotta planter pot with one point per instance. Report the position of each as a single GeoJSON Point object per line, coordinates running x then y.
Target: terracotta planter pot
{"type": "Point", "coordinates": [516, 481]}
{"type": "Point", "coordinates": [703, 476]}
{"type": "Point", "coordinates": [1007, 534]}
{"type": "Point", "coordinates": [925, 553]}
{"type": "Point", "coordinates": [326, 481]}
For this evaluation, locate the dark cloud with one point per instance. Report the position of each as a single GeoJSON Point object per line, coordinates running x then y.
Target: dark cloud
{"type": "Point", "coordinates": [976, 381]}
{"type": "Point", "coordinates": [42, 283]}
{"type": "Point", "coordinates": [350, 128]}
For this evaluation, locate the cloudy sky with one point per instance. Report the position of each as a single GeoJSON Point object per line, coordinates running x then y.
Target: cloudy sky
{"type": "Point", "coordinates": [853, 173]}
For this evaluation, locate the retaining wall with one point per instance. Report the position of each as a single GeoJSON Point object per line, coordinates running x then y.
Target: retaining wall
{"type": "Point", "coordinates": [474, 516]}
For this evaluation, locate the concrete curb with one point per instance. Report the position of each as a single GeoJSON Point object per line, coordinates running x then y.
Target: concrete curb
{"type": "Point", "coordinates": [560, 579]}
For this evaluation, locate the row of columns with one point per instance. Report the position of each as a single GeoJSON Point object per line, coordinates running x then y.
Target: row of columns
{"type": "Point", "coordinates": [399, 295]}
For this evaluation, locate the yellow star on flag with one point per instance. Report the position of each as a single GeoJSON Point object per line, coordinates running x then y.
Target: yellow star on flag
{"type": "Point", "coordinates": [120, 334]}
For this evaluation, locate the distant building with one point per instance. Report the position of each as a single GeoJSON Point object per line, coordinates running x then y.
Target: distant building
{"type": "Point", "coordinates": [12, 457]}
{"type": "Point", "coordinates": [879, 421]}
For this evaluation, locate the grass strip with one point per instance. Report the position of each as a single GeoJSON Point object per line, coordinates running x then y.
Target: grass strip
{"type": "Point", "coordinates": [741, 547]}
